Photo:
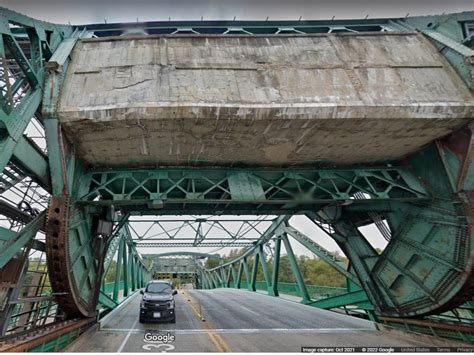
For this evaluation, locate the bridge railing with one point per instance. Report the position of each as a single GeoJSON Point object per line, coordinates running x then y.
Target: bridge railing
{"type": "Point", "coordinates": [108, 288]}
{"type": "Point", "coordinates": [291, 288]}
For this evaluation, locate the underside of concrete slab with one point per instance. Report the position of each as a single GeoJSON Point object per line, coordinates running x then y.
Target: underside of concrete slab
{"type": "Point", "coordinates": [286, 101]}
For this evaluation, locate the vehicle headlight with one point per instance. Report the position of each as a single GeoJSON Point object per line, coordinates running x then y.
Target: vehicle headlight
{"type": "Point", "coordinates": [171, 305]}
{"type": "Point", "coordinates": [142, 304]}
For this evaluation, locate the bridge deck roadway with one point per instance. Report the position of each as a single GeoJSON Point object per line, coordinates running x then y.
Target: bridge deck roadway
{"type": "Point", "coordinates": [240, 321]}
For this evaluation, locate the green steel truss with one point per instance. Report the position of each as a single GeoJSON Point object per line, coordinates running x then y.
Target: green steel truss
{"type": "Point", "coordinates": [34, 56]}
{"type": "Point", "coordinates": [413, 271]}
{"type": "Point", "coordinates": [131, 272]}
{"type": "Point", "coordinates": [425, 200]}
{"type": "Point", "coordinates": [233, 191]}
{"type": "Point", "coordinates": [25, 47]}
{"type": "Point", "coordinates": [211, 231]}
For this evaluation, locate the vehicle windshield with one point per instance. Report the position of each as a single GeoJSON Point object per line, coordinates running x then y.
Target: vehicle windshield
{"type": "Point", "coordinates": [158, 288]}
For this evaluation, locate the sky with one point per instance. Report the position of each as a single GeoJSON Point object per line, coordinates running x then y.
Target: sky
{"type": "Point", "coordinates": [96, 11]}
{"type": "Point", "coordinates": [89, 11]}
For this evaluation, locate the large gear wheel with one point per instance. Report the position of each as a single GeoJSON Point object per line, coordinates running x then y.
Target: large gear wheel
{"type": "Point", "coordinates": [71, 263]}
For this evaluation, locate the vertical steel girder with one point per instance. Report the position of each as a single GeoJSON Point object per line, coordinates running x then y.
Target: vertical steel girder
{"type": "Point", "coordinates": [263, 262]}
{"type": "Point", "coordinates": [126, 267]}
{"type": "Point", "coordinates": [276, 267]}
{"type": "Point", "coordinates": [253, 279]}
{"type": "Point", "coordinates": [130, 265]}
{"type": "Point", "coordinates": [296, 269]}
{"type": "Point", "coordinates": [239, 275]}
{"type": "Point", "coordinates": [118, 270]}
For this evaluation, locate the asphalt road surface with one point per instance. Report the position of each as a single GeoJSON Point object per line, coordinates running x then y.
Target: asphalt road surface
{"type": "Point", "coordinates": [240, 321]}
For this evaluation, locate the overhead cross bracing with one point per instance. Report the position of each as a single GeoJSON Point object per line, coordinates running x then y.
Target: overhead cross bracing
{"type": "Point", "coordinates": [347, 124]}
{"type": "Point", "coordinates": [198, 231]}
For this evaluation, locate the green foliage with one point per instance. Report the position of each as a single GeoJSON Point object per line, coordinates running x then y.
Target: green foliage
{"type": "Point", "coordinates": [317, 272]}
{"type": "Point", "coordinates": [147, 262]}
{"type": "Point", "coordinates": [211, 263]}
{"type": "Point", "coordinates": [110, 277]}
{"type": "Point", "coordinates": [233, 254]}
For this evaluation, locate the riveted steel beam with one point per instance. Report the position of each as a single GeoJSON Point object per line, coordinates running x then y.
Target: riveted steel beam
{"type": "Point", "coordinates": [13, 125]}
{"type": "Point", "coordinates": [263, 262]}
{"type": "Point", "coordinates": [321, 252]}
{"type": "Point", "coordinates": [230, 191]}
{"type": "Point", "coordinates": [118, 269]}
{"type": "Point", "coordinates": [276, 267]}
{"type": "Point", "coordinates": [192, 245]}
{"type": "Point", "coordinates": [24, 49]}
{"type": "Point", "coordinates": [32, 161]}
{"type": "Point", "coordinates": [182, 253]}
{"type": "Point", "coordinates": [12, 242]}
{"type": "Point", "coordinates": [295, 268]}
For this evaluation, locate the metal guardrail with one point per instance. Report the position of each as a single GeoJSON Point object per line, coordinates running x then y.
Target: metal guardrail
{"type": "Point", "coordinates": [292, 289]}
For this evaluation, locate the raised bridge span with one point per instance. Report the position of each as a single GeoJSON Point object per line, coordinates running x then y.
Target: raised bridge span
{"type": "Point", "coordinates": [218, 135]}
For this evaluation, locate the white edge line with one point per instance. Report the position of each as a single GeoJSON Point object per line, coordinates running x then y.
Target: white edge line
{"type": "Point", "coordinates": [127, 337]}
{"type": "Point", "coordinates": [268, 330]}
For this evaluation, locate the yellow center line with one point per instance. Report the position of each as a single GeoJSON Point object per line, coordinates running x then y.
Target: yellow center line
{"type": "Point", "coordinates": [216, 339]}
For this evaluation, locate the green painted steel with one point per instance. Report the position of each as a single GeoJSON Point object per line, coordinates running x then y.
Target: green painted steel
{"type": "Point", "coordinates": [13, 124]}
{"type": "Point", "coordinates": [275, 230]}
{"type": "Point", "coordinates": [183, 253]}
{"type": "Point", "coordinates": [121, 232]}
{"type": "Point", "coordinates": [266, 274]}
{"type": "Point", "coordinates": [126, 268]}
{"type": "Point", "coordinates": [448, 33]}
{"type": "Point", "coordinates": [296, 270]}
{"type": "Point", "coordinates": [222, 244]}
{"type": "Point", "coordinates": [239, 28]}
{"type": "Point", "coordinates": [11, 242]}
{"type": "Point", "coordinates": [21, 94]}
{"type": "Point", "coordinates": [118, 285]}
{"type": "Point", "coordinates": [392, 280]}
{"type": "Point", "coordinates": [174, 265]}
{"type": "Point", "coordinates": [345, 299]}
{"type": "Point", "coordinates": [106, 300]}
{"type": "Point", "coordinates": [321, 252]}
{"type": "Point", "coordinates": [315, 291]}
{"type": "Point", "coordinates": [57, 344]}
{"type": "Point", "coordinates": [235, 191]}
{"type": "Point", "coordinates": [32, 161]}
{"type": "Point", "coordinates": [276, 267]}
